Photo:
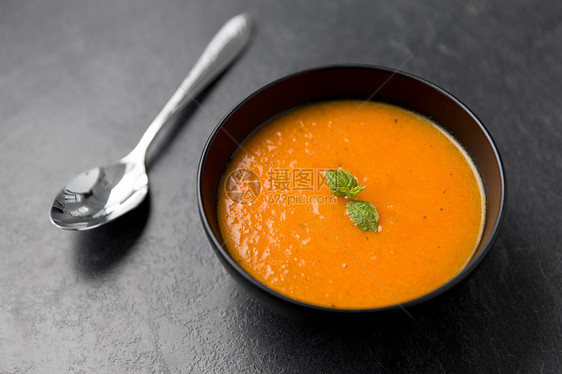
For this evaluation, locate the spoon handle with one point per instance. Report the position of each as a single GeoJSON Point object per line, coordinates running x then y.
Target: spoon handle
{"type": "Point", "coordinates": [220, 52]}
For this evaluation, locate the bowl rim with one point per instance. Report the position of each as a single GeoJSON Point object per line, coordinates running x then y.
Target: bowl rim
{"type": "Point", "coordinates": [468, 269]}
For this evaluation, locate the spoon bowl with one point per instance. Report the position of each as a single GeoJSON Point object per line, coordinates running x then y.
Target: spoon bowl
{"type": "Point", "coordinates": [101, 194]}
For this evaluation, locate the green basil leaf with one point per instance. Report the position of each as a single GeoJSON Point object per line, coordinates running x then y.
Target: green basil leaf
{"type": "Point", "coordinates": [364, 215]}
{"type": "Point", "coordinates": [341, 183]}
{"type": "Point", "coordinates": [355, 191]}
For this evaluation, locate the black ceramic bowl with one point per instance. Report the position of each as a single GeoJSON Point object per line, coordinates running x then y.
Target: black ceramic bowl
{"type": "Point", "coordinates": [347, 82]}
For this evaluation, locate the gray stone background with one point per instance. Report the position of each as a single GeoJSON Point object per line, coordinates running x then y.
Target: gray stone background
{"type": "Point", "coordinates": [81, 80]}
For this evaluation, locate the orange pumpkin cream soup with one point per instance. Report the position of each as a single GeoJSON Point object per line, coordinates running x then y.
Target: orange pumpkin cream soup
{"type": "Point", "coordinates": [283, 224]}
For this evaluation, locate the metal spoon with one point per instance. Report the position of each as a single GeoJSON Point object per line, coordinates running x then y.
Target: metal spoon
{"type": "Point", "coordinates": [99, 195]}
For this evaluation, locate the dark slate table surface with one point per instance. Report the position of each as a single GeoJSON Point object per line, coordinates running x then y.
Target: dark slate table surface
{"type": "Point", "coordinates": [80, 81]}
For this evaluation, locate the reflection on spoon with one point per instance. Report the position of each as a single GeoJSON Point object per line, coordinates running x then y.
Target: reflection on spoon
{"type": "Point", "coordinates": [101, 194]}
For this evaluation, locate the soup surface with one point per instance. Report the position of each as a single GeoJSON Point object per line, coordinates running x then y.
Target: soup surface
{"type": "Point", "coordinates": [280, 221]}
